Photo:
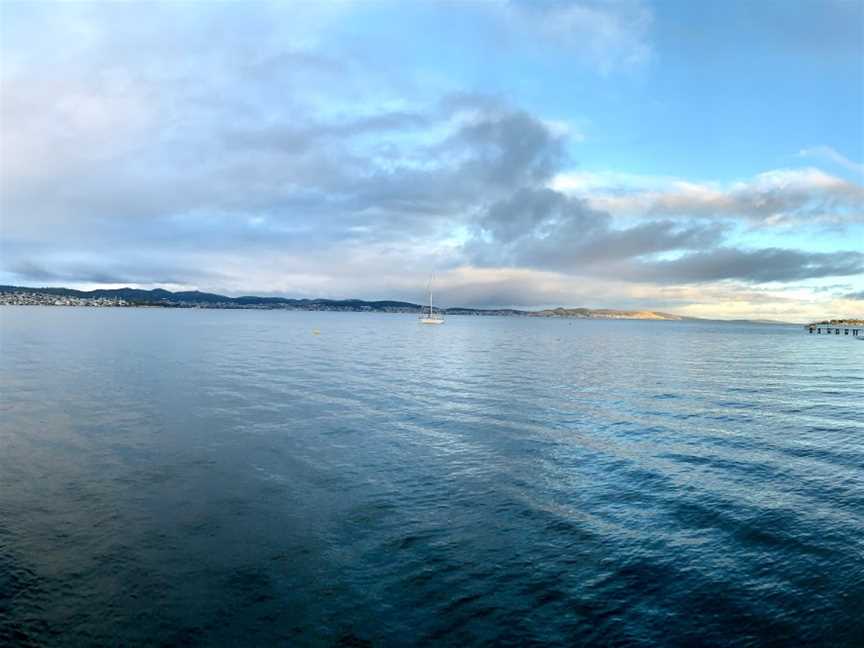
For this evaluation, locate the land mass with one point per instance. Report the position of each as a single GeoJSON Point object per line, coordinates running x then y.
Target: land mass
{"type": "Point", "coordinates": [131, 297]}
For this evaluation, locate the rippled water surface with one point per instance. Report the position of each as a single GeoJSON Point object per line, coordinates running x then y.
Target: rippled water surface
{"type": "Point", "coordinates": [231, 478]}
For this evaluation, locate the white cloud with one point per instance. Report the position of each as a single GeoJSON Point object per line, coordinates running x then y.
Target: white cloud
{"type": "Point", "coordinates": [783, 196]}
{"type": "Point", "coordinates": [611, 36]}
{"type": "Point", "coordinates": [826, 153]}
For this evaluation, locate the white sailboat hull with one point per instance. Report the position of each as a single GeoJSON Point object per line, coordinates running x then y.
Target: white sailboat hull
{"type": "Point", "coordinates": [431, 320]}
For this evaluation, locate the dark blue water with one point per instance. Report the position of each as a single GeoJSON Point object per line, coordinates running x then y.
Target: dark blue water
{"type": "Point", "coordinates": [173, 477]}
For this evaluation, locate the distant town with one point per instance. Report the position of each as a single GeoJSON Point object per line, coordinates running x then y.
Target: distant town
{"type": "Point", "coordinates": [43, 299]}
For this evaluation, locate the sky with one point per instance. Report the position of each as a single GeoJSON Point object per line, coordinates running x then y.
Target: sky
{"type": "Point", "coordinates": [699, 158]}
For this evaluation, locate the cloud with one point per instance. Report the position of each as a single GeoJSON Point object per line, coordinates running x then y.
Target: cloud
{"type": "Point", "coordinates": [610, 35]}
{"type": "Point", "coordinates": [855, 295]}
{"type": "Point", "coordinates": [129, 271]}
{"type": "Point", "coordinates": [752, 266]}
{"type": "Point", "coordinates": [542, 228]}
{"type": "Point", "coordinates": [545, 229]}
{"type": "Point", "coordinates": [783, 196]}
{"type": "Point", "coordinates": [262, 161]}
{"type": "Point", "coordinates": [830, 155]}
{"type": "Point", "coordinates": [298, 176]}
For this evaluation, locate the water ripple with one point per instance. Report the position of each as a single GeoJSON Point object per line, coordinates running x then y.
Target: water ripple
{"type": "Point", "coordinates": [194, 477]}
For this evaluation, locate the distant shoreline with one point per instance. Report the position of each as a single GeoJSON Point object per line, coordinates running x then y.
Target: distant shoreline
{"type": "Point", "coordinates": [158, 298]}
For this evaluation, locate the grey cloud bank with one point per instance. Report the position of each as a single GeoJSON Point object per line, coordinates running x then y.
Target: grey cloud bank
{"type": "Point", "coordinates": [755, 266]}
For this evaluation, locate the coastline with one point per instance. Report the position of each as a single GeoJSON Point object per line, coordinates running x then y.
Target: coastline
{"type": "Point", "coordinates": [101, 299]}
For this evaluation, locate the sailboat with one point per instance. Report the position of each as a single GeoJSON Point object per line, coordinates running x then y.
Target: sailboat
{"type": "Point", "coordinates": [431, 317]}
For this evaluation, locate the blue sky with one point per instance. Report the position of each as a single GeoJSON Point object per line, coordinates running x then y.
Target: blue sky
{"type": "Point", "coordinates": [700, 158]}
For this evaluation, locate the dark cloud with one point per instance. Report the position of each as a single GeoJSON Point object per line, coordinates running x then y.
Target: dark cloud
{"type": "Point", "coordinates": [575, 249]}
{"type": "Point", "coordinates": [755, 266]}
{"type": "Point", "coordinates": [508, 150]}
{"type": "Point", "coordinates": [489, 150]}
{"type": "Point", "coordinates": [855, 295]}
{"type": "Point", "coordinates": [536, 213]}
{"type": "Point", "coordinates": [545, 229]}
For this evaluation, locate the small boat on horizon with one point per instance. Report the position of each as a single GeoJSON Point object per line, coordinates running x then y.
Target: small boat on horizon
{"type": "Point", "coordinates": [431, 317]}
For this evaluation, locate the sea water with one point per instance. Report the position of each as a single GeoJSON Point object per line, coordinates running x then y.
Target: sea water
{"type": "Point", "coordinates": [215, 477]}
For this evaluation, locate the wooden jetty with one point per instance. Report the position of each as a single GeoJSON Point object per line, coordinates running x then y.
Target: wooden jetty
{"type": "Point", "coordinates": [853, 327]}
